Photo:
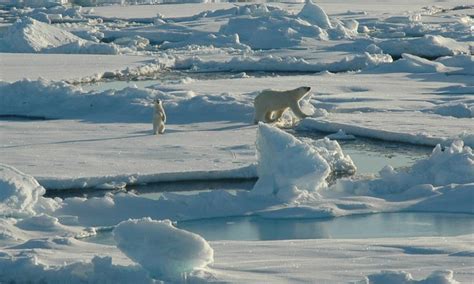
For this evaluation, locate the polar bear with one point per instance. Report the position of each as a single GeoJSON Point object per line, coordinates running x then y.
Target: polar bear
{"type": "Point", "coordinates": [270, 104]}
{"type": "Point", "coordinates": [159, 118]}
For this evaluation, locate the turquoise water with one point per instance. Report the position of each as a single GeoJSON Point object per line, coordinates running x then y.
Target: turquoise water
{"type": "Point", "coordinates": [370, 155]}
{"type": "Point", "coordinates": [383, 225]}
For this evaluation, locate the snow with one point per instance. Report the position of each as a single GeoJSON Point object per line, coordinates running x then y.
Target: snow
{"type": "Point", "coordinates": [332, 152]}
{"type": "Point", "coordinates": [315, 15]}
{"type": "Point", "coordinates": [424, 176]}
{"type": "Point", "coordinates": [17, 66]}
{"type": "Point", "coordinates": [340, 135]}
{"type": "Point", "coordinates": [373, 125]}
{"type": "Point", "coordinates": [413, 64]}
{"type": "Point", "coordinates": [458, 110]}
{"type": "Point", "coordinates": [279, 64]}
{"type": "Point", "coordinates": [428, 46]}
{"type": "Point", "coordinates": [21, 195]}
{"type": "Point", "coordinates": [399, 72]}
{"type": "Point", "coordinates": [402, 277]}
{"type": "Point", "coordinates": [318, 261]}
{"type": "Point", "coordinates": [163, 250]}
{"type": "Point", "coordinates": [278, 175]}
{"type": "Point", "coordinates": [28, 35]}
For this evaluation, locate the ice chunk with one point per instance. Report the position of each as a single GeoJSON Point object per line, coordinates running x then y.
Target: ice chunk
{"type": "Point", "coordinates": [19, 192]}
{"type": "Point", "coordinates": [413, 64]}
{"type": "Point", "coordinates": [315, 15]}
{"type": "Point", "coordinates": [39, 222]}
{"type": "Point", "coordinates": [166, 252]}
{"type": "Point", "coordinates": [458, 110]}
{"type": "Point", "coordinates": [452, 165]}
{"type": "Point", "coordinates": [341, 135]}
{"type": "Point", "coordinates": [27, 268]}
{"type": "Point", "coordinates": [402, 277]}
{"type": "Point", "coordinates": [287, 168]}
{"type": "Point", "coordinates": [273, 63]}
{"type": "Point", "coordinates": [331, 151]}
{"type": "Point", "coordinates": [428, 46]}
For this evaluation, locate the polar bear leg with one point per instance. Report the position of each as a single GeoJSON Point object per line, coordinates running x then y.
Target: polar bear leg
{"type": "Point", "coordinates": [155, 128]}
{"type": "Point", "coordinates": [269, 117]}
{"type": "Point", "coordinates": [161, 129]}
{"type": "Point", "coordinates": [278, 114]}
{"type": "Point", "coordinates": [295, 108]}
{"type": "Point", "coordinates": [259, 114]}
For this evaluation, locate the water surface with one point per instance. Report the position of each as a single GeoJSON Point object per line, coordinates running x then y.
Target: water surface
{"type": "Point", "coordinates": [382, 225]}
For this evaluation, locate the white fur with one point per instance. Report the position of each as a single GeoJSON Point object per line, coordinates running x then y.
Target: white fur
{"type": "Point", "coordinates": [159, 118]}
{"type": "Point", "coordinates": [270, 104]}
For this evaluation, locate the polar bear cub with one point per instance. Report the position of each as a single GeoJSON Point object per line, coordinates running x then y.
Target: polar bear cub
{"type": "Point", "coordinates": [270, 104]}
{"type": "Point", "coordinates": [159, 118]}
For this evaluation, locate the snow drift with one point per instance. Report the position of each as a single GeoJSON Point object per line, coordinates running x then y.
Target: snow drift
{"type": "Point", "coordinates": [61, 100]}
{"type": "Point", "coordinates": [277, 28]}
{"type": "Point", "coordinates": [287, 167]}
{"type": "Point", "coordinates": [402, 277]}
{"type": "Point", "coordinates": [429, 46]}
{"type": "Point", "coordinates": [273, 63]}
{"type": "Point", "coordinates": [445, 179]}
{"type": "Point", "coordinates": [166, 252]}
{"type": "Point", "coordinates": [20, 194]}
{"type": "Point", "coordinates": [31, 36]}
{"type": "Point", "coordinates": [49, 99]}
{"type": "Point", "coordinates": [315, 15]}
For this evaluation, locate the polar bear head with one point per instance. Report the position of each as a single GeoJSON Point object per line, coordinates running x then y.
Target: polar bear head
{"type": "Point", "coordinates": [301, 92]}
{"type": "Point", "coordinates": [157, 101]}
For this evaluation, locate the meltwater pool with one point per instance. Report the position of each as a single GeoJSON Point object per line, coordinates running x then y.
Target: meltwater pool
{"type": "Point", "coordinates": [382, 225]}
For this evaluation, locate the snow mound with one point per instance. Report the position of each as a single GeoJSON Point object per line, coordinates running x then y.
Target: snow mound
{"type": "Point", "coordinates": [61, 100]}
{"type": "Point", "coordinates": [429, 46]}
{"type": "Point", "coordinates": [19, 193]}
{"type": "Point", "coordinates": [341, 135]}
{"type": "Point", "coordinates": [288, 168]}
{"type": "Point", "coordinates": [49, 99]}
{"type": "Point", "coordinates": [331, 151]}
{"type": "Point", "coordinates": [31, 36]}
{"type": "Point", "coordinates": [413, 64]}
{"type": "Point", "coordinates": [464, 62]}
{"type": "Point", "coordinates": [274, 31]}
{"type": "Point", "coordinates": [452, 165]}
{"type": "Point", "coordinates": [281, 64]}
{"type": "Point", "coordinates": [315, 15]}
{"type": "Point", "coordinates": [26, 268]}
{"type": "Point", "coordinates": [39, 222]}
{"type": "Point", "coordinates": [166, 252]}
{"type": "Point", "coordinates": [459, 110]}
{"type": "Point", "coordinates": [276, 28]}
{"type": "Point", "coordinates": [402, 277]}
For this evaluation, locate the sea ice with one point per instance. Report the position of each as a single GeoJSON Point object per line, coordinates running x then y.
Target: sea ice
{"type": "Point", "coordinates": [166, 252]}
{"type": "Point", "coordinates": [31, 36]}
{"type": "Point", "coordinates": [20, 194]}
{"type": "Point", "coordinates": [402, 277]}
{"type": "Point", "coordinates": [287, 167]}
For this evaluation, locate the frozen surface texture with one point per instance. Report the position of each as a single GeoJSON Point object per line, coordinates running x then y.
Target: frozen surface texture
{"type": "Point", "coordinates": [29, 36]}
{"type": "Point", "coordinates": [398, 72]}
